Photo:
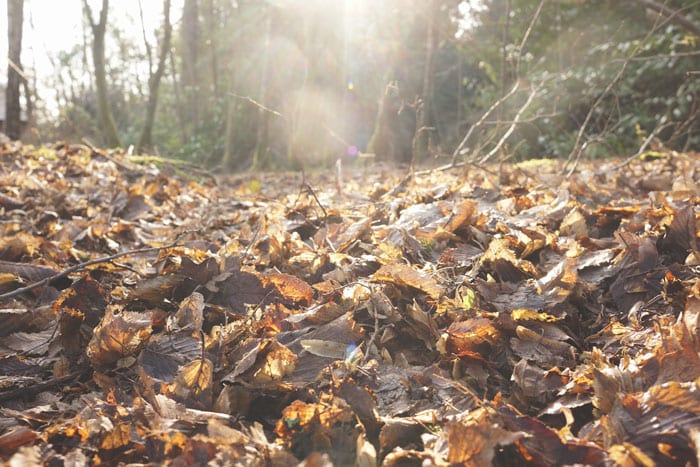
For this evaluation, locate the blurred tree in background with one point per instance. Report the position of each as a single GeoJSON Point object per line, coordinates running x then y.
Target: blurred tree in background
{"type": "Point", "coordinates": [12, 109]}
{"type": "Point", "coordinates": [288, 83]}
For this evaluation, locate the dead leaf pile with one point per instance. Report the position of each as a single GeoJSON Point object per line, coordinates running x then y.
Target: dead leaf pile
{"type": "Point", "coordinates": [502, 316]}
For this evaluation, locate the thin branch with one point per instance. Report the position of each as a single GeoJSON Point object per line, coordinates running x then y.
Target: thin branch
{"type": "Point", "coordinates": [644, 145]}
{"type": "Point", "coordinates": [674, 16]}
{"type": "Point", "coordinates": [258, 105]}
{"type": "Point", "coordinates": [17, 69]}
{"type": "Point", "coordinates": [506, 96]}
{"type": "Point", "coordinates": [526, 36]}
{"type": "Point", "coordinates": [446, 167]}
{"type": "Point", "coordinates": [41, 386]}
{"type": "Point", "coordinates": [481, 121]}
{"type": "Point", "coordinates": [149, 51]}
{"type": "Point", "coordinates": [645, 58]}
{"type": "Point", "coordinates": [534, 118]}
{"type": "Point", "coordinates": [82, 267]}
{"type": "Point", "coordinates": [578, 148]}
{"type": "Point", "coordinates": [511, 128]}
{"type": "Point", "coordinates": [311, 191]}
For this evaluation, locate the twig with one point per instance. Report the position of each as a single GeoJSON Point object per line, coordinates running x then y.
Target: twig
{"type": "Point", "coordinates": [481, 121]}
{"type": "Point", "coordinates": [373, 337]}
{"type": "Point", "coordinates": [644, 146]}
{"type": "Point", "coordinates": [81, 267]}
{"type": "Point", "coordinates": [41, 386]}
{"type": "Point", "coordinates": [526, 35]}
{"type": "Point", "coordinates": [577, 150]}
{"type": "Point", "coordinates": [313, 193]}
{"type": "Point", "coordinates": [511, 128]}
{"type": "Point", "coordinates": [258, 105]}
{"type": "Point", "coordinates": [126, 267]}
{"type": "Point", "coordinates": [252, 241]}
{"type": "Point", "coordinates": [445, 167]}
{"type": "Point", "coordinates": [671, 15]}
{"type": "Point", "coordinates": [645, 58]}
{"type": "Point", "coordinates": [336, 136]}
{"type": "Point", "coordinates": [503, 98]}
{"type": "Point", "coordinates": [400, 186]}
{"type": "Point", "coordinates": [18, 70]}
{"type": "Point", "coordinates": [129, 168]}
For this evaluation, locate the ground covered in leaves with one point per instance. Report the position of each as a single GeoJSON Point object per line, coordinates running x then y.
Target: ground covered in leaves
{"type": "Point", "coordinates": [502, 315]}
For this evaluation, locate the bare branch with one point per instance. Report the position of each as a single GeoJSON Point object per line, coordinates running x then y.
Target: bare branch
{"type": "Point", "coordinates": [511, 128]}
{"type": "Point", "coordinates": [82, 267]}
{"type": "Point", "coordinates": [527, 35]}
{"type": "Point", "coordinates": [672, 15]}
{"type": "Point", "coordinates": [481, 121]}
{"type": "Point", "coordinates": [643, 147]}
{"type": "Point", "coordinates": [505, 97]}
{"type": "Point", "coordinates": [646, 58]}
{"type": "Point", "coordinates": [258, 105]}
{"type": "Point", "coordinates": [578, 148]}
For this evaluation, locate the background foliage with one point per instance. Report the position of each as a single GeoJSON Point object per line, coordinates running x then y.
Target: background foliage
{"type": "Point", "coordinates": [286, 84]}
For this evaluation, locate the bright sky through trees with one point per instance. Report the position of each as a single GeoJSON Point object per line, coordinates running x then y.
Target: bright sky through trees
{"type": "Point", "coordinates": [52, 26]}
{"type": "Point", "coordinates": [366, 74]}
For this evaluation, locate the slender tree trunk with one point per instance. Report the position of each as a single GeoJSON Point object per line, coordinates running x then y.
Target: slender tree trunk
{"type": "Point", "coordinates": [15, 18]}
{"type": "Point", "coordinates": [460, 89]}
{"type": "Point", "coordinates": [178, 100]}
{"type": "Point", "coordinates": [505, 39]}
{"type": "Point", "coordinates": [86, 50]}
{"type": "Point", "coordinates": [261, 156]}
{"type": "Point", "coordinates": [229, 158]}
{"type": "Point", "coordinates": [423, 134]}
{"type": "Point", "coordinates": [109, 128]}
{"type": "Point", "coordinates": [212, 22]}
{"type": "Point", "coordinates": [154, 81]}
{"type": "Point", "coordinates": [189, 76]}
{"type": "Point", "coordinates": [29, 106]}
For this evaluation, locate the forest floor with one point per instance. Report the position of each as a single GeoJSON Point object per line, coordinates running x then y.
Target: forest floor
{"type": "Point", "coordinates": [499, 315]}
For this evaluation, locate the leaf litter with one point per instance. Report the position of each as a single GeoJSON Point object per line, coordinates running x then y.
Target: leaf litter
{"type": "Point", "coordinates": [479, 318]}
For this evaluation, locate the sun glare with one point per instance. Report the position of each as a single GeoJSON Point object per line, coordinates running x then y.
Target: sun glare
{"type": "Point", "coordinates": [467, 15]}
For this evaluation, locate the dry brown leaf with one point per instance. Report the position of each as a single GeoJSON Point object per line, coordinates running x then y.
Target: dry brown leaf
{"type": "Point", "coordinates": [405, 276]}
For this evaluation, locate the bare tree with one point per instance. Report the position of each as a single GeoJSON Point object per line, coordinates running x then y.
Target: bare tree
{"type": "Point", "coordinates": [154, 80]}
{"type": "Point", "coordinates": [99, 28]}
{"type": "Point", "coordinates": [15, 18]}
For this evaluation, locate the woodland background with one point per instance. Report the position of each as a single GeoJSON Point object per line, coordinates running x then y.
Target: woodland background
{"type": "Point", "coordinates": [286, 84]}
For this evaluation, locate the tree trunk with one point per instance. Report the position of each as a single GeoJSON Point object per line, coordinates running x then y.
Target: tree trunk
{"type": "Point", "coordinates": [189, 76]}
{"type": "Point", "coordinates": [13, 123]}
{"type": "Point", "coordinates": [178, 100]}
{"type": "Point", "coordinates": [154, 81]}
{"type": "Point", "coordinates": [505, 40]}
{"type": "Point", "coordinates": [395, 123]}
{"type": "Point", "coordinates": [229, 132]}
{"type": "Point", "coordinates": [109, 128]}
{"type": "Point", "coordinates": [421, 146]}
{"type": "Point", "coordinates": [211, 21]}
{"type": "Point", "coordinates": [261, 155]}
